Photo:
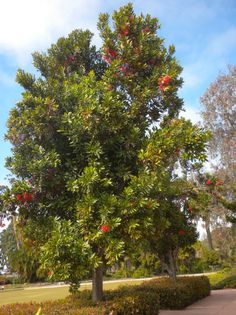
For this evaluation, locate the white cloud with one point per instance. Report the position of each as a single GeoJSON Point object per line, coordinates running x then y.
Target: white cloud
{"type": "Point", "coordinates": [191, 113]}
{"type": "Point", "coordinates": [191, 78]}
{"type": "Point", "coordinates": [28, 25]}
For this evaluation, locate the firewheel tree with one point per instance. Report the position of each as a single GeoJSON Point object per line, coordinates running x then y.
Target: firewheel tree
{"type": "Point", "coordinates": [96, 139]}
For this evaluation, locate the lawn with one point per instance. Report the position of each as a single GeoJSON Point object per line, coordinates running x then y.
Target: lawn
{"type": "Point", "coordinates": [45, 294]}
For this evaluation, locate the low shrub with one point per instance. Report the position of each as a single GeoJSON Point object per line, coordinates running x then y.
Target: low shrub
{"type": "Point", "coordinates": [142, 272]}
{"type": "Point", "coordinates": [226, 283]}
{"type": "Point", "coordinates": [179, 294]}
{"type": "Point", "coordinates": [60, 307]}
{"type": "Point", "coordinates": [6, 280]}
{"type": "Point", "coordinates": [135, 303]}
{"type": "Point", "coordinates": [225, 278]}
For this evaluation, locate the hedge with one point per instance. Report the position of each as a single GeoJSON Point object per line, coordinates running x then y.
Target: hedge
{"type": "Point", "coordinates": [172, 295]}
{"type": "Point", "coordinates": [144, 299]}
{"type": "Point", "coordinates": [182, 293]}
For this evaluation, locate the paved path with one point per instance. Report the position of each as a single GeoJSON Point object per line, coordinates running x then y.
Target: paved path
{"type": "Point", "coordinates": [220, 302]}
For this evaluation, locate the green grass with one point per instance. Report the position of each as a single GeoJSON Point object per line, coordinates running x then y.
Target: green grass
{"type": "Point", "coordinates": [46, 294]}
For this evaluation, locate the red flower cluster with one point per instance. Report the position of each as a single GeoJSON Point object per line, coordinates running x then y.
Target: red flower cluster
{"type": "Point", "coordinates": [105, 228]}
{"type": "Point", "coordinates": [146, 30]}
{"type": "Point", "coordinates": [125, 29]}
{"type": "Point", "coordinates": [125, 69]}
{"type": "Point", "coordinates": [110, 54]}
{"type": "Point", "coordinates": [208, 182]}
{"type": "Point", "coordinates": [151, 62]}
{"type": "Point", "coordinates": [50, 274]}
{"type": "Point", "coordinates": [70, 59]}
{"type": "Point", "coordinates": [219, 183]}
{"type": "Point", "coordinates": [181, 232]}
{"type": "Point", "coordinates": [131, 18]}
{"type": "Point", "coordinates": [163, 82]}
{"type": "Point", "coordinates": [24, 197]}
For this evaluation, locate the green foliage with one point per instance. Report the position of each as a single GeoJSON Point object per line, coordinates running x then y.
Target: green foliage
{"type": "Point", "coordinates": [66, 255]}
{"type": "Point", "coordinates": [225, 278]}
{"type": "Point", "coordinates": [227, 283]}
{"type": "Point", "coordinates": [210, 259]}
{"type": "Point", "coordinates": [142, 272]}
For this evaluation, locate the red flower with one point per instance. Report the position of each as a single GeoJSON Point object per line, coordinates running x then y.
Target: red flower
{"type": "Point", "coordinates": [163, 82]}
{"type": "Point", "coordinates": [113, 53]}
{"type": "Point", "coordinates": [105, 228]}
{"type": "Point", "coordinates": [71, 58]}
{"type": "Point", "coordinates": [146, 30]}
{"type": "Point", "coordinates": [50, 273]}
{"type": "Point", "coordinates": [107, 59]}
{"type": "Point", "coordinates": [219, 183]}
{"type": "Point", "coordinates": [181, 232]}
{"type": "Point", "coordinates": [18, 197]}
{"type": "Point", "coordinates": [125, 30]}
{"type": "Point", "coordinates": [209, 182]}
{"type": "Point", "coordinates": [28, 196]}
{"type": "Point", "coordinates": [131, 18]}
{"type": "Point", "coordinates": [151, 62]}
{"type": "Point", "coordinates": [125, 69]}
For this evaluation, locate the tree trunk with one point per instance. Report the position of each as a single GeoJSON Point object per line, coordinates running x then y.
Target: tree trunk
{"type": "Point", "coordinates": [172, 265]}
{"type": "Point", "coordinates": [208, 232]}
{"type": "Point", "coordinates": [169, 263]}
{"type": "Point", "coordinates": [97, 284]}
{"type": "Point", "coordinates": [15, 232]}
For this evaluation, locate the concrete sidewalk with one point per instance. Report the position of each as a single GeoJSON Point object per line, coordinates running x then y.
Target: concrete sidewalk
{"type": "Point", "coordinates": [220, 302]}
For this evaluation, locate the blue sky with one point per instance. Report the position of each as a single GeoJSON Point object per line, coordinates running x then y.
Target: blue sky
{"type": "Point", "coordinates": [203, 31]}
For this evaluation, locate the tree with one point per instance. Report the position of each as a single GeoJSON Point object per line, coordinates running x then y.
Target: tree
{"type": "Point", "coordinates": [219, 117]}
{"type": "Point", "coordinates": [87, 142]}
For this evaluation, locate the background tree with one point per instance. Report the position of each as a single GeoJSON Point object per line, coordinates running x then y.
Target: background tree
{"type": "Point", "coordinates": [23, 259]}
{"type": "Point", "coordinates": [88, 150]}
{"type": "Point", "coordinates": [219, 117]}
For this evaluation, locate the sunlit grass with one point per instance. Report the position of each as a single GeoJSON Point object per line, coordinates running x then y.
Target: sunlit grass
{"type": "Point", "coordinates": [46, 294]}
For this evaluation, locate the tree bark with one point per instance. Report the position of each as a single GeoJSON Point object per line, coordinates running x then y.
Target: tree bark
{"type": "Point", "coordinates": [172, 265]}
{"type": "Point", "coordinates": [97, 284]}
{"type": "Point", "coordinates": [208, 232]}
{"type": "Point", "coordinates": [169, 263]}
